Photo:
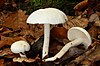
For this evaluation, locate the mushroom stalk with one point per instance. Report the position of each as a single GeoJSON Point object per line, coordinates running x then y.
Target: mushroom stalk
{"type": "Point", "coordinates": [75, 42]}
{"type": "Point", "coordinates": [46, 40]}
{"type": "Point", "coordinates": [23, 55]}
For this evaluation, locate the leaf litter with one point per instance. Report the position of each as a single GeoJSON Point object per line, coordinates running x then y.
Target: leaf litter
{"type": "Point", "coordinates": [13, 27]}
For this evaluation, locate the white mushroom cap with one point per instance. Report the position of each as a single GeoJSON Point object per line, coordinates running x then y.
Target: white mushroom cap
{"type": "Point", "coordinates": [77, 32]}
{"type": "Point", "coordinates": [47, 16]}
{"type": "Point", "coordinates": [20, 46]}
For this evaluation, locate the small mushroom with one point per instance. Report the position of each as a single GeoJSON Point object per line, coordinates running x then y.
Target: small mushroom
{"type": "Point", "coordinates": [20, 47]}
{"type": "Point", "coordinates": [47, 16]}
{"type": "Point", "coordinates": [77, 36]}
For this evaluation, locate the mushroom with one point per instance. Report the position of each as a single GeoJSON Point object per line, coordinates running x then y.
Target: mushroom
{"type": "Point", "coordinates": [77, 36]}
{"type": "Point", "coordinates": [47, 16]}
{"type": "Point", "coordinates": [20, 47]}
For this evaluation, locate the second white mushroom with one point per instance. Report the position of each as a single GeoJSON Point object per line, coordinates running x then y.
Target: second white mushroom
{"type": "Point", "coordinates": [77, 36]}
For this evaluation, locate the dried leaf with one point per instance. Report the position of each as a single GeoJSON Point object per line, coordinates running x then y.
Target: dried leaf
{"type": "Point", "coordinates": [5, 51]}
{"type": "Point", "coordinates": [81, 5]}
{"type": "Point", "coordinates": [38, 30]}
{"type": "Point", "coordinates": [1, 62]}
{"type": "Point", "coordinates": [21, 59]}
{"type": "Point", "coordinates": [55, 46]}
{"type": "Point", "coordinates": [86, 62]}
{"type": "Point", "coordinates": [97, 23]}
{"type": "Point", "coordinates": [59, 33]}
{"type": "Point", "coordinates": [93, 57]}
{"type": "Point", "coordinates": [90, 56]}
{"type": "Point", "coordinates": [9, 41]}
{"type": "Point", "coordinates": [82, 22]}
{"type": "Point", "coordinates": [2, 3]}
{"type": "Point", "coordinates": [73, 52]}
{"type": "Point", "coordinates": [94, 17]}
{"type": "Point", "coordinates": [97, 7]}
{"type": "Point", "coordinates": [29, 60]}
{"type": "Point", "coordinates": [93, 31]}
{"type": "Point", "coordinates": [18, 21]}
{"type": "Point", "coordinates": [83, 56]}
{"type": "Point", "coordinates": [6, 32]}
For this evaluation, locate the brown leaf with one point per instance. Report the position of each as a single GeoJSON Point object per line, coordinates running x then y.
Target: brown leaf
{"type": "Point", "coordinates": [81, 5]}
{"type": "Point", "coordinates": [2, 3]}
{"type": "Point", "coordinates": [95, 55]}
{"type": "Point", "coordinates": [83, 56]}
{"type": "Point", "coordinates": [97, 7]}
{"type": "Point", "coordinates": [21, 59]}
{"type": "Point", "coordinates": [59, 32]}
{"type": "Point", "coordinates": [37, 29]}
{"type": "Point", "coordinates": [92, 57]}
{"type": "Point", "coordinates": [16, 20]}
{"type": "Point", "coordinates": [9, 41]}
{"type": "Point", "coordinates": [97, 23]}
{"type": "Point", "coordinates": [55, 47]}
{"type": "Point", "coordinates": [94, 17]}
{"type": "Point", "coordinates": [93, 31]}
{"type": "Point", "coordinates": [76, 22]}
{"type": "Point", "coordinates": [1, 62]}
{"type": "Point", "coordinates": [5, 51]}
{"type": "Point", "coordinates": [86, 62]}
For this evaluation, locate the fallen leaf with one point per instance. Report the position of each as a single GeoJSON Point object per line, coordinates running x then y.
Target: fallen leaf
{"type": "Point", "coordinates": [97, 7]}
{"type": "Point", "coordinates": [93, 31]}
{"type": "Point", "coordinates": [21, 59]}
{"type": "Point", "coordinates": [1, 62]}
{"type": "Point", "coordinates": [55, 47]}
{"type": "Point", "coordinates": [5, 51]}
{"type": "Point", "coordinates": [94, 17]}
{"type": "Point", "coordinates": [59, 33]}
{"type": "Point", "coordinates": [97, 23]}
{"type": "Point", "coordinates": [83, 56]}
{"type": "Point", "coordinates": [81, 5]}
{"type": "Point", "coordinates": [76, 22]}
{"type": "Point", "coordinates": [9, 41]}
{"type": "Point", "coordinates": [18, 21]}
{"type": "Point", "coordinates": [2, 2]}
{"type": "Point", "coordinates": [92, 57]}
{"type": "Point", "coordinates": [95, 55]}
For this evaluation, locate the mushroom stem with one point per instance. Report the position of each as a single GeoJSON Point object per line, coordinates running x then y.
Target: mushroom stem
{"type": "Point", "coordinates": [23, 55]}
{"type": "Point", "coordinates": [46, 40]}
{"type": "Point", "coordinates": [75, 42]}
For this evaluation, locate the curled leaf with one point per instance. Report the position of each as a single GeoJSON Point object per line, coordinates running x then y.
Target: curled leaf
{"type": "Point", "coordinates": [81, 22]}
{"type": "Point", "coordinates": [21, 59]}
{"type": "Point", "coordinates": [5, 51]}
{"type": "Point", "coordinates": [81, 5]}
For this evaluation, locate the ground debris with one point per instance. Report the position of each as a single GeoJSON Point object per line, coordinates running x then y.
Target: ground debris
{"type": "Point", "coordinates": [89, 57]}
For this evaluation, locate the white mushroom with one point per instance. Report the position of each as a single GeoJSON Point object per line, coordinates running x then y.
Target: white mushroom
{"type": "Point", "coordinates": [47, 16]}
{"type": "Point", "coordinates": [77, 36]}
{"type": "Point", "coordinates": [20, 47]}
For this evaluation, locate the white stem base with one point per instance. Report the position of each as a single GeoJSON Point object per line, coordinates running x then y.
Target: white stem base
{"type": "Point", "coordinates": [75, 42]}
{"type": "Point", "coordinates": [46, 40]}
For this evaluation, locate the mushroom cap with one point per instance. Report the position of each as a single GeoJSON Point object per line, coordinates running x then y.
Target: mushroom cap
{"type": "Point", "coordinates": [20, 46]}
{"type": "Point", "coordinates": [77, 32]}
{"type": "Point", "coordinates": [47, 16]}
